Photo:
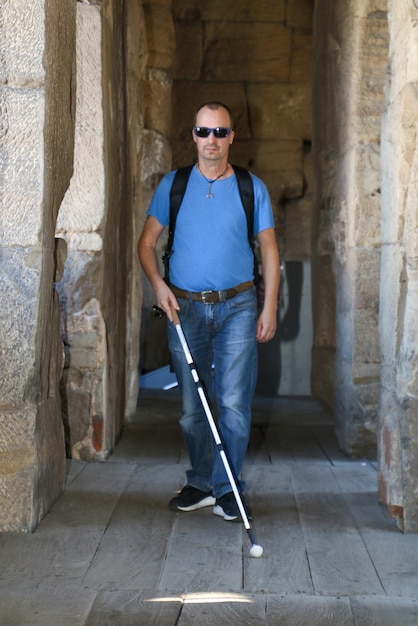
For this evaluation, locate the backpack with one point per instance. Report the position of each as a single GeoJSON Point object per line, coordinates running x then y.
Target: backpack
{"type": "Point", "coordinates": [178, 189]}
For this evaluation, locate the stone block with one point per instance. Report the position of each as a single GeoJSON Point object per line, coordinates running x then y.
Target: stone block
{"type": "Point", "coordinates": [324, 303]}
{"type": "Point", "coordinates": [21, 163]}
{"type": "Point", "coordinates": [136, 48]}
{"type": "Point", "coordinates": [263, 156]}
{"type": "Point", "coordinates": [83, 206]}
{"type": "Point", "coordinates": [161, 38]}
{"type": "Point", "coordinates": [218, 10]}
{"type": "Point", "coordinates": [84, 242]}
{"type": "Point", "coordinates": [277, 163]}
{"type": "Point", "coordinates": [361, 185]}
{"type": "Point", "coordinates": [22, 44]}
{"type": "Point", "coordinates": [298, 229]}
{"type": "Point", "coordinates": [184, 153]}
{"type": "Point", "coordinates": [19, 286]}
{"type": "Point", "coordinates": [285, 114]}
{"type": "Point", "coordinates": [353, 420]}
{"type": "Point", "coordinates": [322, 376]}
{"type": "Point", "coordinates": [365, 372]}
{"type": "Point", "coordinates": [299, 13]}
{"type": "Point", "coordinates": [322, 223]}
{"type": "Point", "coordinates": [77, 403]}
{"type": "Point", "coordinates": [189, 51]}
{"type": "Point", "coordinates": [156, 159]}
{"type": "Point", "coordinates": [405, 46]}
{"type": "Point", "coordinates": [157, 85]}
{"type": "Point", "coordinates": [301, 58]}
{"type": "Point", "coordinates": [235, 54]}
{"type": "Point", "coordinates": [17, 429]}
{"type": "Point", "coordinates": [366, 346]}
{"type": "Point", "coordinates": [367, 281]}
{"type": "Point", "coordinates": [283, 185]}
{"type": "Point", "coordinates": [16, 498]}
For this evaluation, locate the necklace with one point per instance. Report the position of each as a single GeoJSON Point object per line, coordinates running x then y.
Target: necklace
{"type": "Point", "coordinates": [210, 182]}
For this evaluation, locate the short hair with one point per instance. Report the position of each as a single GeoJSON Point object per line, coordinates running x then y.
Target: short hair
{"type": "Point", "coordinates": [214, 105]}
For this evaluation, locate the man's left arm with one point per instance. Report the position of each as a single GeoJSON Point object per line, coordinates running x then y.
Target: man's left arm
{"type": "Point", "coordinates": [270, 261]}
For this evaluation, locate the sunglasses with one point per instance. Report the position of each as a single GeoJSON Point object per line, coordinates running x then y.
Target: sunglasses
{"type": "Point", "coordinates": [219, 133]}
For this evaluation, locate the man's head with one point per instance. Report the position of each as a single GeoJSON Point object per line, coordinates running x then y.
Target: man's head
{"type": "Point", "coordinates": [214, 106]}
{"type": "Point", "coordinates": [213, 131]}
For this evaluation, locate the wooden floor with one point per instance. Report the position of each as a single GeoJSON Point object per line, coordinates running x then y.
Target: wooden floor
{"type": "Point", "coordinates": [111, 553]}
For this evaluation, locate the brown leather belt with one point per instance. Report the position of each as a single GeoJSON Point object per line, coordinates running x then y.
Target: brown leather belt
{"type": "Point", "coordinates": [211, 295]}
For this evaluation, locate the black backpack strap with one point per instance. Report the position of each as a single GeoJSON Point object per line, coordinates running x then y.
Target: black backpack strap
{"type": "Point", "coordinates": [178, 189]}
{"type": "Point", "coordinates": [246, 191]}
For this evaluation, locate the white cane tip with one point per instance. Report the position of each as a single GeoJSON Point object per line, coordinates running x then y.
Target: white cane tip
{"type": "Point", "coordinates": [256, 550]}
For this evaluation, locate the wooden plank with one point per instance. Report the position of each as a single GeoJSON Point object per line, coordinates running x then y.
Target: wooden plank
{"type": "Point", "coordinates": [45, 607]}
{"type": "Point", "coordinates": [149, 444]}
{"type": "Point", "coordinates": [131, 608]}
{"type": "Point", "coordinates": [382, 611]}
{"type": "Point", "coordinates": [281, 410]}
{"type": "Point", "coordinates": [158, 408]}
{"type": "Point", "coordinates": [11, 545]}
{"type": "Point", "coordinates": [325, 435]}
{"type": "Point", "coordinates": [64, 544]}
{"type": "Point", "coordinates": [298, 443]}
{"type": "Point", "coordinates": [52, 560]}
{"type": "Point", "coordinates": [394, 555]}
{"type": "Point", "coordinates": [73, 468]}
{"type": "Point", "coordinates": [90, 498]}
{"type": "Point", "coordinates": [308, 611]}
{"type": "Point", "coordinates": [277, 445]}
{"type": "Point", "coordinates": [223, 608]}
{"type": "Point", "coordinates": [204, 554]}
{"type": "Point", "coordinates": [257, 451]}
{"type": "Point", "coordinates": [284, 564]}
{"type": "Point", "coordinates": [133, 550]}
{"type": "Point", "coordinates": [339, 561]}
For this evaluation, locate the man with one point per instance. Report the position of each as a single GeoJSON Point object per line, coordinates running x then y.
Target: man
{"type": "Point", "coordinates": [211, 253]}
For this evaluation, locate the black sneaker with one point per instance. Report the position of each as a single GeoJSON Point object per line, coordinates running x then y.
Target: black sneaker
{"type": "Point", "coordinates": [191, 499]}
{"type": "Point", "coordinates": [226, 506]}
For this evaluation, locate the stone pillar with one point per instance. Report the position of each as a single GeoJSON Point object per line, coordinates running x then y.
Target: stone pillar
{"type": "Point", "coordinates": [136, 56]}
{"type": "Point", "coordinates": [350, 65]}
{"type": "Point", "coordinates": [98, 221]}
{"type": "Point", "coordinates": [398, 450]}
{"type": "Point", "coordinates": [37, 54]}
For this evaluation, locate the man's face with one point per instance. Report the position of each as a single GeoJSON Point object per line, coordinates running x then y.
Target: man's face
{"type": "Point", "coordinates": [212, 148]}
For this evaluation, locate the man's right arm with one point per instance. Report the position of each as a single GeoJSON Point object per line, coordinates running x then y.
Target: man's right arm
{"type": "Point", "coordinates": [147, 252]}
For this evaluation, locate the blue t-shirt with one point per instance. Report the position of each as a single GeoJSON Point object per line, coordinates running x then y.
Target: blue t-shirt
{"type": "Point", "coordinates": [210, 247]}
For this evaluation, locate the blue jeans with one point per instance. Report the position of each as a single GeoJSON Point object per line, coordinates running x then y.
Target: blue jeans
{"type": "Point", "coordinates": [222, 340]}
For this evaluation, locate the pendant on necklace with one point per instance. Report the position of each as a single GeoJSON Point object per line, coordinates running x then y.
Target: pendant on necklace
{"type": "Point", "coordinates": [209, 193]}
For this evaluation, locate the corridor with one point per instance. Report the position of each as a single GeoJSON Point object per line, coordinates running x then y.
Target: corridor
{"type": "Point", "coordinates": [111, 553]}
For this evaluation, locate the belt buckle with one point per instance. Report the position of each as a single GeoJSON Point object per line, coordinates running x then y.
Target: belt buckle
{"type": "Point", "coordinates": [205, 295]}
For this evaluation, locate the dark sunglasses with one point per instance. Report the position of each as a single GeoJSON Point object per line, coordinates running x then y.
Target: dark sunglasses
{"type": "Point", "coordinates": [203, 131]}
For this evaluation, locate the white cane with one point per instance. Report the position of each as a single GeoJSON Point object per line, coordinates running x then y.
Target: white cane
{"type": "Point", "coordinates": [256, 550]}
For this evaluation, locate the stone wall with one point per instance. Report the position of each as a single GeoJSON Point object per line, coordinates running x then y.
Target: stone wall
{"type": "Point", "coordinates": [256, 57]}
{"type": "Point", "coordinates": [350, 61]}
{"type": "Point", "coordinates": [37, 59]}
{"type": "Point", "coordinates": [398, 437]}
